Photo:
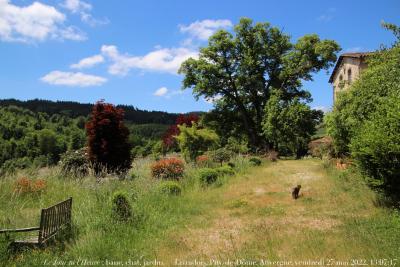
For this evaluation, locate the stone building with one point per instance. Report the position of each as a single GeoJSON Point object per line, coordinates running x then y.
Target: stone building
{"type": "Point", "coordinates": [347, 69]}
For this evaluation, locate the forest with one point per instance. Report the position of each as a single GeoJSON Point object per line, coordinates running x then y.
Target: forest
{"type": "Point", "coordinates": [75, 109]}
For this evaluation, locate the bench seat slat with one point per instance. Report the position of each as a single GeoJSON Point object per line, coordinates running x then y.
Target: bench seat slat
{"type": "Point", "coordinates": [29, 229]}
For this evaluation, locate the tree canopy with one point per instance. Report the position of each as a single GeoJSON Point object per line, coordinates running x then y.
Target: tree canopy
{"type": "Point", "coordinates": [243, 68]}
{"type": "Point", "coordinates": [289, 125]}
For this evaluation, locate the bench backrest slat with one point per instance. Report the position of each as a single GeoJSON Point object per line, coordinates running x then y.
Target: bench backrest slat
{"type": "Point", "coordinates": [54, 218]}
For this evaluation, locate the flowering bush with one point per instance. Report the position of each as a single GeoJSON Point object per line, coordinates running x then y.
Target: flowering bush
{"type": "Point", "coordinates": [75, 163]}
{"type": "Point", "coordinates": [203, 161]}
{"type": "Point", "coordinates": [25, 185]}
{"type": "Point", "coordinates": [39, 185]}
{"type": "Point", "coordinates": [168, 169]}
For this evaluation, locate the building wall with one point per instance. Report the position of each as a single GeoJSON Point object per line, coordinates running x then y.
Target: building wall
{"type": "Point", "coordinates": [348, 71]}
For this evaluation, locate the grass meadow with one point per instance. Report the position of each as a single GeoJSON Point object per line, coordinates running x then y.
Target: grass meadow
{"type": "Point", "coordinates": [249, 216]}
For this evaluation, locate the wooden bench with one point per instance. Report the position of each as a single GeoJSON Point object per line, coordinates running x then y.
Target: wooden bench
{"type": "Point", "coordinates": [52, 220]}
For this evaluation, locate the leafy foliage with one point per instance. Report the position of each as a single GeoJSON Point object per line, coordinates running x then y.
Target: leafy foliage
{"type": "Point", "coordinates": [242, 69]}
{"type": "Point", "coordinates": [169, 141]}
{"type": "Point", "coordinates": [321, 148]}
{"type": "Point", "coordinates": [194, 141]}
{"type": "Point", "coordinates": [255, 161]}
{"type": "Point", "coordinates": [364, 122]}
{"type": "Point", "coordinates": [225, 170]}
{"type": "Point", "coordinates": [28, 138]}
{"type": "Point", "coordinates": [171, 168]}
{"type": "Point", "coordinates": [376, 145]}
{"type": "Point", "coordinates": [78, 110]}
{"type": "Point", "coordinates": [208, 176]}
{"type": "Point", "coordinates": [121, 207]}
{"type": "Point", "coordinates": [75, 163]}
{"type": "Point", "coordinates": [289, 125]}
{"type": "Point", "coordinates": [171, 188]}
{"type": "Point", "coordinates": [220, 155]}
{"type": "Point", "coordinates": [108, 138]}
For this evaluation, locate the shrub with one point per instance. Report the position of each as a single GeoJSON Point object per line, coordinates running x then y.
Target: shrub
{"type": "Point", "coordinates": [25, 185]}
{"type": "Point", "coordinates": [12, 165]}
{"type": "Point", "coordinates": [255, 161]}
{"type": "Point", "coordinates": [321, 148]}
{"type": "Point", "coordinates": [134, 176]}
{"type": "Point", "coordinates": [203, 161]}
{"type": "Point", "coordinates": [225, 170]}
{"type": "Point", "coordinates": [231, 164]}
{"type": "Point", "coordinates": [194, 141]}
{"type": "Point", "coordinates": [208, 176]}
{"type": "Point", "coordinates": [120, 206]}
{"type": "Point", "coordinates": [22, 185]}
{"type": "Point", "coordinates": [75, 163]}
{"type": "Point", "coordinates": [237, 145]}
{"type": "Point", "coordinates": [168, 140]}
{"type": "Point", "coordinates": [376, 147]}
{"type": "Point", "coordinates": [289, 125]}
{"type": "Point", "coordinates": [272, 155]}
{"type": "Point", "coordinates": [221, 155]}
{"type": "Point", "coordinates": [108, 139]}
{"type": "Point", "coordinates": [171, 188]}
{"type": "Point", "coordinates": [172, 168]}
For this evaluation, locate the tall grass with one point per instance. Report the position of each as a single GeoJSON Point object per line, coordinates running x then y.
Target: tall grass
{"type": "Point", "coordinates": [98, 236]}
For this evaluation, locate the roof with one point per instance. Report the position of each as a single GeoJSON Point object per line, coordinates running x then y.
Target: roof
{"type": "Point", "coordinates": [353, 55]}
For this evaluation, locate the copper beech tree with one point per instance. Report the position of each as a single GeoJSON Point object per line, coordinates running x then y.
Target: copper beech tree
{"type": "Point", "coordinates": [108, 145]}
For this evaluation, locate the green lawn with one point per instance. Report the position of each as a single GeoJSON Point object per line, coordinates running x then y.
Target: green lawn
{"type": "Point", "coordinates": [250, 216]}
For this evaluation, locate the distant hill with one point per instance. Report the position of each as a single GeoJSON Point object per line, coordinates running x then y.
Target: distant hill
{"type": "Point", "coordinates": [75, 109]}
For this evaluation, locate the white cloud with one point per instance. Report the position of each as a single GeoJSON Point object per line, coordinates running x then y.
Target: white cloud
{"type": "Point", "coordinates": [76, 6]}
{"type": "Point", "coordinates": [72, 79]}
{"type": "Point", "coordinates": [161, 60]}
{"type": "Point", "coordinates": [73, 33]}
{"type": "Point", "coordinates": [161, 91]}
{"type": "Point", "coordinates": [166, 93]}
{"type": "Point", "coordinates": [204, 29]}
{"type": "Point", "coordinates": [88, 62]}
{"type": "Point", "coordinates": [83, 9]}
{"type": "Point", "coordinates": [35, 22]}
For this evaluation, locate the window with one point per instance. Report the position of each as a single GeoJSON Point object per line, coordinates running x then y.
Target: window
{"type": "Point", "coordinates": [349, 76]}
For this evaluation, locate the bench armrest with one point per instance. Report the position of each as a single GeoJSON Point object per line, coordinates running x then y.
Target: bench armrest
{"type": "Point", "coordinates": [19, 230]}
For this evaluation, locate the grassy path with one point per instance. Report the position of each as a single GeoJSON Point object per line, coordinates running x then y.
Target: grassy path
{"type": "Point", "coordinates": [250, 216]}
{"type": "Point", "coordinates": [254, 217]}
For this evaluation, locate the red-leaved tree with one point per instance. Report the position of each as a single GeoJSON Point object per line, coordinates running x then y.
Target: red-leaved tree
{"type": "Point", "coordinates": [169, 141]}
{"type": "Point", "coordinates": [107, 135]}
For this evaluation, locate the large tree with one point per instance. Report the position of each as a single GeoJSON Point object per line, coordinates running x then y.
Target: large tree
{"type": "Point", "coordinates": [242, 70]}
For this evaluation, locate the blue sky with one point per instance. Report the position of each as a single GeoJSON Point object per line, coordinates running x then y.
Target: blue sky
{"type": "Point", "coordinates": [127, 52]}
